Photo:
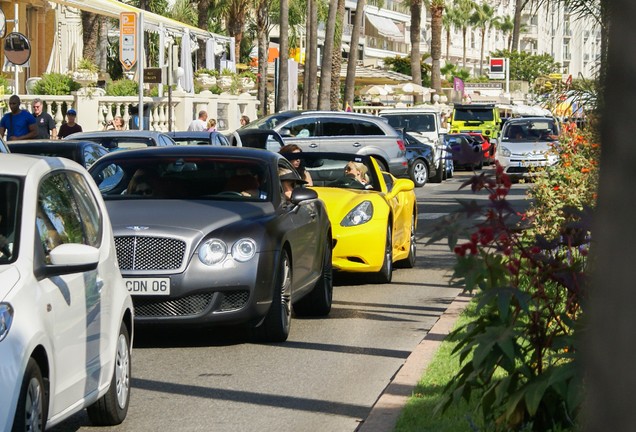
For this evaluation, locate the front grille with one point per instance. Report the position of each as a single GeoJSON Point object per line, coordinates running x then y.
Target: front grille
{"type": "Point", "coordinates": [149, 253]}
{"type": "Point", "coordinates": [192, 305]}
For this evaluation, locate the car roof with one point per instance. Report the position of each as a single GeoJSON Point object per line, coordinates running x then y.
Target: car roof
{"type": "Point", "coordinates": [128, 133]}
{"type": "Point", "coordinates": [527, 119]}
{"type": "Point", "coordinates": [51, 143]}
{"type": "Point", "coordinates": [411, 110]}
{"type": "Point", "coordinates": [20, 165]}
{"type": "Point", "coordinates": [192, 134]}
{"type": "Point", "coordinates": [191, 151]}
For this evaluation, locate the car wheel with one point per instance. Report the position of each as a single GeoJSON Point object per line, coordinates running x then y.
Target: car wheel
{"type": "Point", "coordinates": [318, 301]}
{"type": "Point", "coordinates": [409, 261]}
{"type": "Point", "coordinates": [419, 172]}
{"type": "Point", "coordinates": [439, 174]}
{"type": "Point", "coordinates": [385, 275]}
{"type": "Point", "coordinates": [382, 165]}
{"type": "Point", "coordinates": [111, 409]}
{"type": "Point", "coordinates": [30, 414]}
{"type": "Point", "coordinates": [275, 327]}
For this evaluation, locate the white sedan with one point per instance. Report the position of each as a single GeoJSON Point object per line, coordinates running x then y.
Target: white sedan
{"type": "Point", "coordinates": [65, 314]}
{"type": "Point", "coordinates": [526, 145]}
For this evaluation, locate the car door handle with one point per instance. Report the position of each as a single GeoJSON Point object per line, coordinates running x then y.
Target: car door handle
{"type": "Point", "coordinates": [313, 145]}
{"type": "Point", "coordinates": [357, 144]}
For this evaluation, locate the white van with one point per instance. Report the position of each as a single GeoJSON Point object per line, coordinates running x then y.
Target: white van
{"type": "Point", "coordinates": [425, 123]}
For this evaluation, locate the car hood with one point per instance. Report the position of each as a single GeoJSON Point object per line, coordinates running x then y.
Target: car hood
{"type": "Point", "coordinates": [9, 277]}
{"type": "Point", "coordinates": [527, 147]}
{"type": "Point", "coordinates": [340, 201]}
{"type": "Point", "coordinates": [180, 217]}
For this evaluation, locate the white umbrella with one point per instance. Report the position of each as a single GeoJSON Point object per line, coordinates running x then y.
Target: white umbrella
{"type": "Point", "coordinates": [374, 90]}
{"type": "Point", "coordinates": [187, 80]}
{"type": "Point", "coordinates": [411, 88]}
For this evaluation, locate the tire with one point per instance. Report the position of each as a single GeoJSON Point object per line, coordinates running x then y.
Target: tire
{"type": "Point", "coordinates": [439, 174]}
{"type": "Point", "coordinates": [381, 164]}
{"type": "Point", "coordinates": [275, 327]}
{"type": "Point", "coordinates": [111, 409]}
{"type": "Point", "coordinates": [385, 275]}
{"type": "Point", "coordinates": [418, 172]}
{"type": "Point", "coordinates": [318, 301]}
{"type": "Point", "coordinates": [409, 261]}
{"type": "Point", "coordinates": [31, 412]}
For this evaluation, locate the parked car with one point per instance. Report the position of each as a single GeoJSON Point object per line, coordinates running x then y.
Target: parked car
{"type": "Point", "coordinates": [374, 221]}
{"type": "Point", "coordinates": [205, 236]}
{"type": "Point", "coordinates": [267, 139]}
{"type": "Point", "coordinates": [466, 151]}
{"type": "Point", "coordinates": [342, 132]}
{"type": "Point", "coordinates": [421, 158]}
{"type": "Point", "coordinates": [199, 138]}
{"type": "Point", "coordinates": [129, 139]}
{"type": "Point", "coordinates": [84, 153]}
{"type": "Point", "coordinates": [425, 124]}
{"type": "Point", "coordinates": [488, 147]}
{"type": "Point", "coordinates": [66, 318]}
{"type": "Point", "coordinates": [526, 145]}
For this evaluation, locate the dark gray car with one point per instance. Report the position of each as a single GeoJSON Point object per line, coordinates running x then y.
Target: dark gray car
{"type": "Point", "coordinates": [124, 140]}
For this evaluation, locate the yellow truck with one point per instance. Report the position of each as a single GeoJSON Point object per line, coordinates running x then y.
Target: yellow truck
{"type": "Point", "coordinates": [481, 118]}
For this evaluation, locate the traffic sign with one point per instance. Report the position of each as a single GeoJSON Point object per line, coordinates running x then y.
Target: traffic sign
{"type": "Point", "coordinates": [128, 39]}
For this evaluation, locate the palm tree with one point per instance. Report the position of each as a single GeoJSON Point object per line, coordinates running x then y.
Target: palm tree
{"type": "Point", "coordinates": [464, 10]}
{"type": "Point", "coordinates": [282, 99]}
{"type": "Point", "coordinates": [449, 20]}
{"type": "Point", "coordinates": [90, 35]}
{"type": "Point", "coordinates": [416, 56]}
{"type": "Point", "coordinates": [325, 67]}
{"type": "Point", "coordinates": [336, 61]}
{"type": "Point", "coordinates": [436, 8]}
{"type": "Point", "coordinates": [262, 35]}
{"type": "Point", "coordinates": [482, 18]}
{"type": "Point", "coordinates": [506, 25]}
{"type": "Point", "coordinates": [353, 54]}
{"type": "Point", "coordinates": [519, 7]}
{"type": "Point", "coordinates": [311, 65]}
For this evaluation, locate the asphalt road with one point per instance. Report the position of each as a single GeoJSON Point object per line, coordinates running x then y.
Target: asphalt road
{"type": "Point", "coordinates": [326, 377]}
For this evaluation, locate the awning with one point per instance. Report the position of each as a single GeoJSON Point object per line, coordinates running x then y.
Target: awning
{"type": "Point", "coordinates": [384, 26]}
{"type": "Point", "coordinates": [152, 21]}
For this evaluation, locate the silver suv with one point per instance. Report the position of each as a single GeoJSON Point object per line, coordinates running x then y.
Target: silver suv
{"type": "Point", "coordinates": [342, 132]}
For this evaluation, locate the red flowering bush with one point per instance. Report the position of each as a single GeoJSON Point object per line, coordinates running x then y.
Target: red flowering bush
{"type": "Point", "coordinates": [527, 272]}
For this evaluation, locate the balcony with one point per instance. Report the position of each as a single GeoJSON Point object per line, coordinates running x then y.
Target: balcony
{"type": "Point", "coordinates": [385, 44]}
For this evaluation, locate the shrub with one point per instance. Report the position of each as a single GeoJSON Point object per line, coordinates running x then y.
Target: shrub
{"type": "Point", "coordinates": [56, 84]}
{"type": "Point", "coordinates": [122, 87]}
{"type": "Point", "coordinates": [527, 271]}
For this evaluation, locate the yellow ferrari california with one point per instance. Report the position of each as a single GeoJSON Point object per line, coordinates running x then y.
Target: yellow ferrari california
{"type": "Point", "coordinates": [373, 214]}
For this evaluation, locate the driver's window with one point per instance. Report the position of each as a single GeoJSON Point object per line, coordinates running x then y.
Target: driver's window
{"type": "Point", "coordinates": [302, 128]}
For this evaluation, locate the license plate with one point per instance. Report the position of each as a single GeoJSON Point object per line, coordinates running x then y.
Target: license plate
{"type": "Point", "coordinates": [148, 286]}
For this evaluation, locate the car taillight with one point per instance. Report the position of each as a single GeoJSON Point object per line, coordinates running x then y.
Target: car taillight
{"type": "Point", "coordinates": [401, 145]}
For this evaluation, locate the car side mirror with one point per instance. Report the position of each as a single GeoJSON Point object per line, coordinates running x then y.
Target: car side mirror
{"type": "Point", "coordinates": [301, 194]}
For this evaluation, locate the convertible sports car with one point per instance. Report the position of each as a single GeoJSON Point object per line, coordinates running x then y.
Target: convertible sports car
{"type": "Point", "coordinates": [373, 221]}
{"type": "Point", "coordinates": [205, 236]}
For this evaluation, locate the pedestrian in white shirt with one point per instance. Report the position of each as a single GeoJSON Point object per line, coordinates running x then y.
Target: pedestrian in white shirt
{"type": "Point", "coordinates": [199, 124]}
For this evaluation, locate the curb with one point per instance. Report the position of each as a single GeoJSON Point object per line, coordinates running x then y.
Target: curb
{"type": "Point", "coordinates": [387, 409]}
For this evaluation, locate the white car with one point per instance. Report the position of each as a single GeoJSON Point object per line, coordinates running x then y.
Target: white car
{"type": "Point", "coordinates": [65, 314]}
{"type": "Point", "coordinates": [525, 145]}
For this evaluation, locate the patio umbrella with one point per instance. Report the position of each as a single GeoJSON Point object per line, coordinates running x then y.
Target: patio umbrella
{"type": "Point", "coordinates": [374, 90]}
{"type": "Point", "coordinates": [411, 88]}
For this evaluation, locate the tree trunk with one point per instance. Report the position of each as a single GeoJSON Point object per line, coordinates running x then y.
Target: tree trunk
{"type": "Point", "coordinates": [336, 58]}
{"type": "Point", "coordinates": [481, 54]}
{"type": "Point", "coordinates": [102, 60]}
{"type": "Point", "coordinates": [464, 30]}
{"type": "Point", "coordinates": [350, 81]}
{"type": "Point", "coordinates": [312, 103]}
{"type": "Point", "coordinates": [519, 5]}
{"type": "Point", "coordinates": [448, 44]}
{"type": "Point", "coordinates": [282, 100]}
{"type": "Point", "coordinates": [325, 67]}
{"type": "Point", "coordinates": [262, 21]}
{"type": "Point", "coordinates": [90, 36]}
{"type": "Point", "coordinates": [437, 10]}
{"type": "Point", "coordinates": [306, 68]}
{"type": "Point", "coordinates": [416, 57]}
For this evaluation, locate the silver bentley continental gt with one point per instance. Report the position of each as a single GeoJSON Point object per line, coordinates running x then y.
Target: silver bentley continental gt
{"type": "Point", "coordinates": [217, 235]}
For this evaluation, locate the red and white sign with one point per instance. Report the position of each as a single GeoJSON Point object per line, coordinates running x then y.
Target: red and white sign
{"type": "Point", "coordinates": [497, 65]}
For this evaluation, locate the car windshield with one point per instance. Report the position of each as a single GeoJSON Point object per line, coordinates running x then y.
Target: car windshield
{"type": "Point", "coordinates": [412, 122]}
{"type": "Point", "coordinates": [121, 143]}
{"type": "Point", "coordinates": [473, 114]}
{"type": "Point", "coordinates": [217, 178]}
{"type": "Point", "coordinates": [340, 172]}
{"type": "Point", "coordinates": [10, 215]}
{"type": "Point", "coordinates": [269, 122]}
{"type": "Point", "coordinates": [531, 130]}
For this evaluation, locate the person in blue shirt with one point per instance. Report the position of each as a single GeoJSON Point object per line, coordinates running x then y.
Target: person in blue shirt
{"type": "Point", "coordinates": [19, 124]}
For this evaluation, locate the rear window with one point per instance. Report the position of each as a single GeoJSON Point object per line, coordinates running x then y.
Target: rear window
{"type": "Point", "coordinates": [412, 122]}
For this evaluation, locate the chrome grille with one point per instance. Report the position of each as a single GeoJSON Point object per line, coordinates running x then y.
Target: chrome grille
{"type": "Point", "coordinates": [149, 253]}
{"type": "Point", "coordinates": [191, 305]}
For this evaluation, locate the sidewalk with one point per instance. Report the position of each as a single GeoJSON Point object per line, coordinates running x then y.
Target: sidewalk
{"type": "Point", "coordinates": [388, 407]}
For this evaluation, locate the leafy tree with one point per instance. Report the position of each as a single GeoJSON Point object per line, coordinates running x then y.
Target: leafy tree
{"type": "Point", "coordinates": [449, 20]}
{"type": "Point", "coordinates": [528, 67]}
{"type": "Point", "coordinates": [482, 18]}
{"type": "Point", "coordinates": [463, 11]}
{"type": "Point", "coordinates": [403, 66]}
{"type": "Point", "coordinates": [506, 25]}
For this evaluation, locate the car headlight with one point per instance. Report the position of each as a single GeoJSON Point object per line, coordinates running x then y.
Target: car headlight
{"type": "Point", "coordinates": [505, 152]}
{"type": "Point", "coordinates": [244, 250]}
{"type": "Point", "coordinates": [212, 252]}
{"type": "Point", "coordinates": [6, 318]}
{"type": "Point", "coordinates": [362, 213]}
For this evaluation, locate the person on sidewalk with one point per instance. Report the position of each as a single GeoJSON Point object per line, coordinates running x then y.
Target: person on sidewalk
{"type": "Point", "coordinates": [18, 123]}
{"type": "Point", "coordinates": [45, 124]}
{"type": "Point", "coordinates": [70, 127]}
{"type": "Point", "coordinates": [199, 124]}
